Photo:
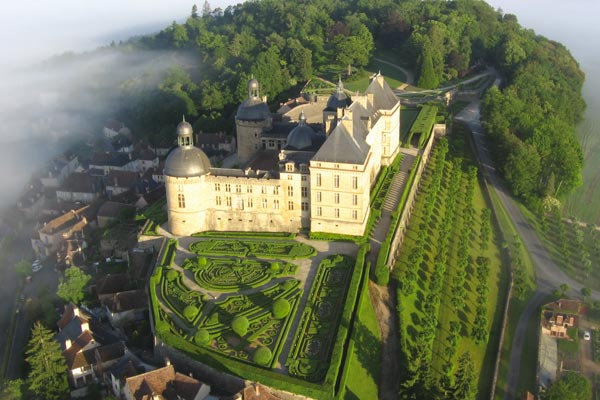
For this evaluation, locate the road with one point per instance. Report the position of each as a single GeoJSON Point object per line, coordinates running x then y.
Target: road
{"type": "Point", "coordinates": [548, 275]}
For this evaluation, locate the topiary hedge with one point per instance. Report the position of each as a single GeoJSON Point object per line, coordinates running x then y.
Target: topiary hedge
{"type": "Point", "coordinates": [202, 337]}
{"type": "Point", "coordinates": [262, 356]}
{"type": "Point", "coordinates": [281, 308]}
{"type": "Point", "coordinates": [240, 325]}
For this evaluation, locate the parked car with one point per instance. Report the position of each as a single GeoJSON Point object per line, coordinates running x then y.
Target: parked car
{"type": "Point", "coordinates": [586, 335]}
{"type": "Point", "coordinates": [36, 266]}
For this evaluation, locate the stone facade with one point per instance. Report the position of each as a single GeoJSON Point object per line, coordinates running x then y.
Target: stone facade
{"type": "Point", "coordinates": [316, 181]}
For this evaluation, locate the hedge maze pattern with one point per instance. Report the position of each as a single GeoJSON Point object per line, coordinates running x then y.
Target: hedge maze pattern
{"type": "Point", "coordinates": [253, 248]}
{"type": "Point", "coordinates": [232, 274]}
{"type": "Point", "coordinates": [311, 350]}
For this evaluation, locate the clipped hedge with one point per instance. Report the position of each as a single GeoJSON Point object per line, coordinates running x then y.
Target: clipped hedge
{"type": "Point", "coordinates": [240, 325]}
{"type": "Point", "coordinates": [281, 308]}
{"type": "Point", "coordinates": [237, 234]}
{"type": "Point", "coordinates": [262, 355]}
{"type": "Point", "coordinates": [337, 237]}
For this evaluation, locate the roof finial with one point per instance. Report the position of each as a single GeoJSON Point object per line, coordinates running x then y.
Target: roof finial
{"type": "Point", "coordinates": [302, 118]}
{"type": "Point", "coordinates": [183, 118]}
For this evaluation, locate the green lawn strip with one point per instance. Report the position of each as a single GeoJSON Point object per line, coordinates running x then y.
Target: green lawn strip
{"type": "Point", "coordinates": [422, 125]}
{"type": "Point", "coordinates": [253, 248]}
{"type": "Point", "coordinates": [360, 80]}
{"type": "Point", "coordinates": [365, 353]}
{"type": "Point", "coordinates": [408, 115]}
{"type": "Point", "coordinates": [255, 235]}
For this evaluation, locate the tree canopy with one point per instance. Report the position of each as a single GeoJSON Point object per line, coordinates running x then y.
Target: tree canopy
{"type": "Point", "coordinates": [48, 376]}
{"type": "Point", "coordinates": [72, 285]}
{"type": "Point", "coordinates": [570, 386]}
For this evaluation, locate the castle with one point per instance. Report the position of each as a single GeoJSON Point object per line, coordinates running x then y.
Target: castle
{"type": "Point", "coordinates": [313, 177]}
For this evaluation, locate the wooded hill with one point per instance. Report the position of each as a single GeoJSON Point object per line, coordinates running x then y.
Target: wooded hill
{"type": "Point", "coordinates": [282, 44]}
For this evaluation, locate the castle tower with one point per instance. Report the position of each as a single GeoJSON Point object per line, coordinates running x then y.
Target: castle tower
{"type": "Point", "coordinates": [251, 120]}
{"type": "Point", "coordinates": [184, 173]}
{"type": "Point", "coordinates": [335, 106]}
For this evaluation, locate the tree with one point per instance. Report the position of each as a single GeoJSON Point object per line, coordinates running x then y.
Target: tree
{"type": "Point", "coordinates": [72, 285]}
{"type": "Point", "coordinates": [11, 389]}
{"type": "Point", "coordinates": [570, 386]}
{"type": "Point", "coordinates": [586, 292]}
{"type": "Point", "coordinates": [194, 11]}
{"type": "Point", "coordinates": [206, 9]}
{"type": "Point", "coordinates": [465, 386]}
{"type": "Point", "coordinates": [23, 268]}
{"type": "Point", "coordinates": [48, 376]}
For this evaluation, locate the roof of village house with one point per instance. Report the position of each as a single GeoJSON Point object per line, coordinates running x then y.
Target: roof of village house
{"type": "Point", "coordinates": [155, 195]}
{"type": "Point", "coordinates": [146, 154]}
{"type": "Point", "coordinates": [112, 283]}
{"type": "Point", "coordinates": [109, 159]}
{"type": "Point", "coordinates": [114, 125]}
{"type": "Point", "coordinates": [73, 220]}
{"type": "Point", "coordinates": [256, 391]}
{"type": "Point", "coordinates": [126, 301]}
{"type": "Point", "coordinates": [111, 209]}
{"type": "Point", "coordinates": [124, 179]}
{"type": "Point", "coordinates": [80, 182]}
{"type": "Point", "coordinates": [564, 305]}
{"type": "Point", "coordinates": [103, 354]}
{"type": "Point", "coordinates": [127, 197]}
{"type": "Point", "coordinates": [164, 382]}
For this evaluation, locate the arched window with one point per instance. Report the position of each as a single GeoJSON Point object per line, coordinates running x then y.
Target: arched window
{"type": "Point", "coordinates": [181, 200]}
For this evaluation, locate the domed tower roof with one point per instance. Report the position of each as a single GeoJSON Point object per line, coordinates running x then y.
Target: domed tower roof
{"type": "Point", "coordinates": [253, 108]}
{"type": "Point", "coordinates": [186, 160]}
{"type": "Point", "coordinates": [301, 137]}
{"type": "Point", "coordinates": [339, 98]}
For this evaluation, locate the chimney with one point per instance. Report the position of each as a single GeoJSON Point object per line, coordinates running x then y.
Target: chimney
{"type": "Point", "coordinates": [67, 343]}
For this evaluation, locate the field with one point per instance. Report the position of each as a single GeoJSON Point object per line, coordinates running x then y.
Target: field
{"type": "Point", "coordinates": [450, 275]}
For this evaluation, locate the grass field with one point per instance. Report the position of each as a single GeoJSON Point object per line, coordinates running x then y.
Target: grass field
{"type": "Point", "coordinates": [365, 364]}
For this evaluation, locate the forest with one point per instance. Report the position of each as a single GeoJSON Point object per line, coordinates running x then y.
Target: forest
{"type": "Point", "coordinates": [531, 118]}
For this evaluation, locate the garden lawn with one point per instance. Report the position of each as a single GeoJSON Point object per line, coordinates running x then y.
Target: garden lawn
{"type": "Point", "coordinates": [365, 362]}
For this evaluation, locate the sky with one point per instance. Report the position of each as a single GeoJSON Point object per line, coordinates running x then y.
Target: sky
{"type": "Point", "coordinates": [32, 30]}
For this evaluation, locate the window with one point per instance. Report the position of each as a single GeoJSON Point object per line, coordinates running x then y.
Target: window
{"type": "Point", "coordinates": [304, 178]}
{"type": "Point", "coordinates": [290, 191]}
{"type": "Point", "coordinates": [319, 211]}
{"type": "Point", "coordinates": [337, 212]}
{"type": "Point", "coordinates": [250, 203]}
{"type": "Point", "coordinates": [276, 204]}
{"type": "Point", "coordinates": [355, 182]}
{"type": "Point", "coordinates": [249, 188]}
{"type": "Point", "coordinates": [217, 187]}
{"type": "Point", "coordinates": [227, 187]}
{"type": "Point", "coordinates": [354, 214]}
{"type": "Point", "coordinates": [276, 190]}
{"type": "Point", "coordinates": [304, 206]}
{"type": "Point", "coordinates": [354, 199]}
{"type": "Point", "coordinates": [318, 179]}
{"type": "Point", "coordinates": [290, 177]}
{"type": "Point", "coordinates": [290, 205]}
{"type": "Point", "coordinates": [304, 190]}
{"type": "Point", "coordinates": [263, 189]}
{"type": "Point", "coordinates": [336, 181]}
{"type": "Point", "coordinates": [319, 197]}
{"type": "Point", "coordinates": [336, 198]}
{"type": "Point", "coordinates": [337, 166]}
{"type": "Point", "coordinates": [264, 203]}
{"type": "Point", "coordinates": [289, 167]}
{"type": "Point", "coordinates": [228, 201]}
{"type": "Point", "coordinates": [218, 200]}
{"type": "Point", "coordinates": [303, 168]}
{"type": "Point", "coordinates": [181, 200]}
{"type": "Point", "coordinates": [238, 188]}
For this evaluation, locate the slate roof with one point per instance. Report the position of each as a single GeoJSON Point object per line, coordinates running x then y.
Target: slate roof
{"type": "Point", "coordinates": [126, 301]}
{"type": "Point", "coordinates": [343, 147]}
{"type": "Point", "coordinates": [383, 96]}
{"type": "Point", "coordinates": [92, 356]}
{"type": "Point", "coordinates": [80, 182]}
{"type": "Point", "coordinates": [111, 209]}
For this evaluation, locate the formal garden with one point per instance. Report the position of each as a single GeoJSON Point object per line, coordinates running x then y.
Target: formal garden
{"type": "Point", "coordinates": [234, 302]}
{"type": "Point", "coordinates": [450, 280]}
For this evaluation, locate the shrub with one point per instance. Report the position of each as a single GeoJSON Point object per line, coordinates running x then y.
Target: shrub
{"type": "Point", "coordinates": [202, 337]}
{"type": "Point", "coordinates": [172, 275]}
{"type": "Point", "coordinates": [240, 325]}
{"type": "Point", "coordinates": [382, 275]}
{"type": "Point", "coordinates": [275, 267]}
{"type": "Point", "coordinates": [190, 312]}
{"type": "Point", "coordinates": [262, 355]}
{"type": "Point", "coordinates": [281, 308]}
{"type": "Point", "coordinates": [202, 261]}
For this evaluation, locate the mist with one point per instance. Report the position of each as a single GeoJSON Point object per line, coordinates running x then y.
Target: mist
{"type": "Point", "coordinates": [56, 86]}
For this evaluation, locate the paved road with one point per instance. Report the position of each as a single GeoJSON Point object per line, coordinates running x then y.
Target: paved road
{"type": "Point", "coordinates": [548, 275]}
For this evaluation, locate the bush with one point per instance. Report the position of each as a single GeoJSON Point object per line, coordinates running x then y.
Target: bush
{"type": "Point", "coordinates": [172, 275]}
{"type": "Point", "coordinates": [281, 308]}
{"type": "Point", "coordinates": [190, 312]}
{"type": "Point", "coordinates": [262, 355]}
{"type": "Point", "coordinates": [382, 275]}
{"type": "Point", "coordinates": [202, 337]}
{"type": "Point", "coordinates": [202, 261]}
{"type": "Point", "coordinates": [275, 267]}
{"type": "Point", "coordinates": [240, 325]}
